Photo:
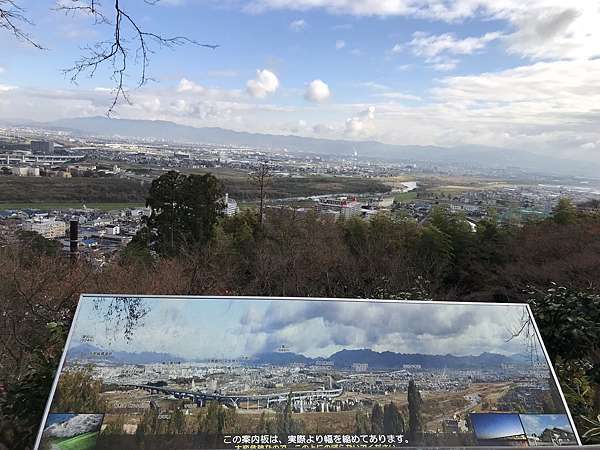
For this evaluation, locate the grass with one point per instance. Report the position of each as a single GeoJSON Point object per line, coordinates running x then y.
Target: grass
{"type": "Point", "coordinates": [85, 441]}
{"type": "Point", "coordinates": [406, 196]}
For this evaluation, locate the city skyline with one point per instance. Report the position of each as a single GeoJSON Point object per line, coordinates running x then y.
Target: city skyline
{"type": "Point", "coordinates": [479, 72]}
{"type": "Point", "coordinates": [190, 328]}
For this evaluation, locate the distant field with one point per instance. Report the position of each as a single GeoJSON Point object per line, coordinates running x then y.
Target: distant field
{"type": "Point", "coordinates": [67, 205]}
{"type": "Point", "coordinates": [71, 190]}
{"type": "Point", "coordinates": [109, 192]}
{"type": "Point", "coordinates": [406, 196]}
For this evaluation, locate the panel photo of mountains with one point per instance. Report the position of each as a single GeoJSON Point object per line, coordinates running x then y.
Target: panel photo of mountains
{"type": "Point", "coordinates": [220, 372]}
{"type": "Point", "coordinates": [71, 431]}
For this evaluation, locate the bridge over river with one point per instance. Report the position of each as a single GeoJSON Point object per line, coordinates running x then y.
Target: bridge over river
{"type": "Point", "coordinates": [300, 399]}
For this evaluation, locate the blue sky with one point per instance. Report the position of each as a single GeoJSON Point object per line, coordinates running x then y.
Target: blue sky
{"type": "Point", "coordinates": [496, 425]}
{"type": "Point", "coordinates": [537, 423]}
{"type": "Point", "coordinates": [222, 328]}
{"type": "Point", "coordinates": [446, 72]}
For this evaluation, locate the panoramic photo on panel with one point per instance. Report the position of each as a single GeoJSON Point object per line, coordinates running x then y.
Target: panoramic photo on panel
{"type": "Point", "coordinates": [232, 373]}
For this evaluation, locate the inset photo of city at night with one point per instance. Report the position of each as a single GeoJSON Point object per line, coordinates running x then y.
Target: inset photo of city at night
{"type": "Point", "coordinates": [190, 372]}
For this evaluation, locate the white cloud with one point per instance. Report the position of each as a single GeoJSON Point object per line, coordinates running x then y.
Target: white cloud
{"type": "Point", "coordinates": [298, 25]}
{"type": "Point", "coordinates": [339, 44]}
{"type": "Point", "coordinates": [436, 49]}
{"type": "Point", "coordinates": [397, 48]}
{"type": "Point", "coordinates": [317, 91]}
{"type": "Point", "coordinates": [186, 85]}
{"type": "Point", "coordinates": [540, 28]}
{"type": "Point", "coordinates": [2, 70]}
{"type": "Point", "coordinates": [398, 96]}
{"type": "Point", "coordinates": [548, 107]}
{"type": "Point", "coordinates": [362, 123]}
{"type": "Point", "coordinates": [556, 32]}
{"type": "Point", "coordinates": [429, 46]}
{"type": "Point", "coordinates": [444, 64]}
{"type": "Point", "coordinates": [266, 82]}
{"type": "Point", "coordinates": [374, 85]}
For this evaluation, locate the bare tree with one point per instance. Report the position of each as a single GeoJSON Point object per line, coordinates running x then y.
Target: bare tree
{"type": "Point", "coordinates": [525, 330]}
{"type": "Point", "coordinates": [13, 19]}
{"type": "Point", "coordinates": [128, 45]}
{"type": "Point", "coordinates": [262, 178]}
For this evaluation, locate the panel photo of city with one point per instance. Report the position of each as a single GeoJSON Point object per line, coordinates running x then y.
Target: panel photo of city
{"type": "Point", "coordinates": [284, 373]}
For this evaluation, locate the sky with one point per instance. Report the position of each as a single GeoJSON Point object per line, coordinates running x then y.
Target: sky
{"type": "Point", "coordinates": [504, 73]}
{"type": "Point", "coordinates": [494, 426]}
{"type": "Point", "coordinates": [537, 423]}
{"type": "Point", "coordinates": [222, 328]}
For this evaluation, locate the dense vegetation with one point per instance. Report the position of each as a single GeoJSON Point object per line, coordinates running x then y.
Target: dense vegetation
{"type": "Point", "coordinates": [552, 265]}
{"type": "Point", "coordinates": [118, 190]}
{"type": "Point", "coordinates": [78, 189]}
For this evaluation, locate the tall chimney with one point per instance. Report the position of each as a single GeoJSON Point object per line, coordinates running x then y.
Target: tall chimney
{"type": "Point", "coordinates": [73, 237]}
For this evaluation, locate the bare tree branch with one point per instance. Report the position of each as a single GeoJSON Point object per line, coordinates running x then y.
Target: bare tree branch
{"type": "Point", "coordinates": [261, 177]}
{"type": "Point", "coordinates": [12, 18]}
{"type": "Point", "coordinates": [116, 52]}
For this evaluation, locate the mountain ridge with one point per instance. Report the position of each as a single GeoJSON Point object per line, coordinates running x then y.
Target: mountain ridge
{"type": "Point", "coordinates": [343, 358]}
{"type": "Point", "coordinates": [475, 156]}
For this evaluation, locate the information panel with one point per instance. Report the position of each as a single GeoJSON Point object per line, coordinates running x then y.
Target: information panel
{"type": "Point", "coordinates": [269, 373]}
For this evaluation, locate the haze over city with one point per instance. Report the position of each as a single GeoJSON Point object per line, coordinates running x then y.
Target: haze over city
{"type": "Point", "coordinates": [403, 72]}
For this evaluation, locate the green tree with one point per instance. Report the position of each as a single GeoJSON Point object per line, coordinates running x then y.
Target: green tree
{"type": "Point", "coordinates": [149, 423]}
{"type": "Point", "coordinates": [78, 391]}
{"type": "Point", "coordinates": [285, 423]}
{"type": "Point", "coordinates": [20, 408]}
{"type": "Point", "coordinates": [564, 212]}
{"type": "Point", "coordinates": [434, 251]}
{"type": "Point", "coordinates": [377, 419]}
{"type": "Point", "coordinates": [185, 210]}
{"type": "Point", "coordinates": [38, 244]}
{"type": "Point", "coordinates": [214, 420]}
{"type": "Point", "coordinates": [361, 423]}
{"type": "Point", "coordinates": [415, 415]}
{"type": "Point", "coordinates": [393, 422]}
{"type": "Point", "coordinates": [116, 426]}
{"type": "Point", "coordinates": [265, 425]}
{"type": "Point", "coordinates": [177, 422]}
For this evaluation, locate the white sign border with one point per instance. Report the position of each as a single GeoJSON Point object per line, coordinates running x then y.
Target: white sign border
{"type": "Point", "coordinates": [261, 298]}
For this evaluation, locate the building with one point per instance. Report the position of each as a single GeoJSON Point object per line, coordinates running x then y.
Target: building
{"type": "Point", "coordinates": [231, 207]}
{"type": "Point", "coordinates": [49, 228]}
{"type": "Point", "coordinates": [360, 367]}
{"type": "Point", "coordinates": [411, 366]}
{"type": "Point", "coordinates": [343, 206]}
{"type": "Point", "coordinates": [26, 171]}
{"type": "Point", "coordinates": [42, 147]}
{"type": "Point", "coordinates": [450, 426]}
{"type": "Point", "coordinates": [113, 230]}
{"type": "Point", "coordinates": [557, 436]}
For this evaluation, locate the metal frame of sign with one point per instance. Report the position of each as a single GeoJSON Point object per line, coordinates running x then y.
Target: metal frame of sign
{"type": "Point", "coordinates": [258, 298]}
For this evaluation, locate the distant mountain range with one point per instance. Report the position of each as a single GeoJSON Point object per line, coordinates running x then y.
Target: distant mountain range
{"type": "Point", "coordinates": [392, 360]}
{"type": "Point", "coordinates": [88, 351]}
{"type": "Point", "coordinates": [465, 155]}
{"type": "Point", "coordinates": [341, 359]}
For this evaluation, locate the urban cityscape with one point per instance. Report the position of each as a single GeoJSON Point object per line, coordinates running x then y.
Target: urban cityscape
{"type": "Point", "coordinates": [54, 168]}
